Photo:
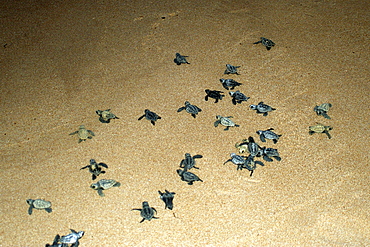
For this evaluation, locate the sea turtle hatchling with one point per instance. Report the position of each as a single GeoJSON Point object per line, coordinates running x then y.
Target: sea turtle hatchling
{"type": "Point", "coordinates": [83, 133]}
{"type": "Point", "coordinates": [229, 83]}
{"type": "Point", "coordinates": [267, 153]}
{"type": "Point", "coordinates": [323, 110]}
{"type": "Point", "coordinates": [188, 176]}
{"type": "Point", "coordinates": [95, 168]}
{"type": "Point", "coordinates": [39, 204]}
{"type": "Point", "coordinates": [104, 184]}
{"type": "Point", "coordinates": [250, 164]}
{"type": "Point", "coordinates": [238, 97]}
{"type": "Point", "coordinates": [266, 42]}
{"type": "Point", "coordinates": [151, 116]}
{"type": "Point", "coordinates": [262, 108]}
{"type": "Point", "coordinates": [180, 59]}
{"type": "Point", "coordinates": [230, 69]}
{"type": "Point", "coordinates": [320, 128]}
{"type": "Point", "coordinates": [248, 145]}
{"type": "Point", "coordinates": [225, 121]}
{"type": "Point", "coordinates": [105, 116]}
{"type": "Point", "coordinates": [146, 212]}
{"type": "Point", "coordinates": [268, 134]}
{"type": "Point", "coordinates": [72, 238]}
{"type": "Point", "coordinates": [167, 197]}
{"type": "Point", "coordinates": [192, 109]}
{"type": "Point", "coordinates": [189, 161]}
{"type": "Point", "coordinates": [237, 160]}
{"type": "Point", "coordinates": [214, 94]}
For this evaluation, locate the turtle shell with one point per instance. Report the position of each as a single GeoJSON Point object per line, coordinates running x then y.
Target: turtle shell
{"type": "Point", "coordinates": [226, 121]}
{"type": "Point", "coordinates": [107, 183]}
{"type": "Point", "coordinates": [237, 159]}
{"type": "Point", "coordinates": [269, 134]}
{"type": "Point", "coordinates": [319, 128]}
{"type": "Point", "coordinates": [83, 133]}
{"type": "Point", "coordinates": [41, 204]}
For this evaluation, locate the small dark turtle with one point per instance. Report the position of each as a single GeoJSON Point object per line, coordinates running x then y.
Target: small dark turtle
{"type": "Point", "coordinates": [104, 184]}
{"type": "Point", "coordinates": [189, 161]}
{"type": "Point", "coordinates": [83, 133]}
{"type": "Point", "coordinates": [95, 168]}
{"type": "Point", "coordinates": [192, 109]}
{"type": "Point", "coordinates": [188, 176]}
{"type": "Point", "coordinates": [250, 164]}
{"type": "Point", "coordinates": [180, 59]}
{"type": "Point", "coordinates": [323, 110]}
{"type": "Point", "coordinates": [229, 83]}
{"type": "Point", "coordinates": [105, 116]}
{"type": "Point", "coordinates": [214, 94]}
{"type": "Point", "coordinates": [267, 153]}
{"type": "Point", "coordinates": [268, 134]}
{"type": "Point", "coordinates": [167, 197]}
{"type": "Point", "coordinates": [146, 212]}
{"type": "Point", "coordinates": [231, 69]}
{"type": "Point", "coordinates": [39, 204]}
{"type": "Point", "coordinates": [320, 128]}
{"type": "Point", "coordinates": [238, 97]}
{"type": "Point", "coordinates": [225, 121]}
{"type": "Point", "coordinates": [262, 108]}
{"type": "Point", "coordinates": [266, 42]}
{"type": "Point", "coordinates": [237, 160]}
{"type": "Point", "coordinates": [72, 238]}
{"type": "Point", "coordinates": [56, 243]}
{"type": "Point", "coordinates": [248, 145]}
{"type": "Point", "coordinates": [151, 116]}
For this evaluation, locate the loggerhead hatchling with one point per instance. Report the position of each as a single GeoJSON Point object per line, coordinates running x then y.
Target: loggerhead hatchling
{"type": "Point", "coordinates": [225, 121]}
{"type": "Point", "coordinates": [105, 116]}
{"type": "Point", "coordinates": [268, 134]}
{"type": "Point", "coordinates": [167, 197]}
{"type": "Point", "coordinates": [180, 59]}
{"type": "Point", "coordinates": [188, 176]}
{"type": "Point", "coordinates": [266, 42]}
{"type": "Point", "coordinates": [320, 128]}
{"type": "Point", "coordinates": [262, 108]}
{"type": "Point", "coordinates": [230, 69]}
{"type": "Point", "coordinates": [83, 133]}
{"type": "Point", "coordinates": [104, 184]}
{"type": "Point", "coordinates": [229, 83]}
{"type": "Point", "coordinates": [72, 238]}
{"type": "Point", "coordinates": [192, 109]}
{"type": "Point", "coordinates": [214, 94]}
{"type": "Point", "coordinates": [323, 110]}
{"type": "Point", "coordinates": [238, 97]}
{"type": "Point", "coordinates": [237, 160]}
{"type": "Point", "coordinates": [248, 145]}
{"type": "Point", "coordinates": [39, 204]}
{"type": "Point", "coordinates": [189, 161]}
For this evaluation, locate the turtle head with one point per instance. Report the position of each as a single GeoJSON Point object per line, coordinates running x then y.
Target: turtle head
{"type": "Point", "coordinates": [94, 186]}
{"type": "Point", "coordinates": [253, 107]}
{"type": "Point", "coordinates": [187, 103]}
{"type": "Point", "coordinates": [233, 154]}
{"type": "Point", "coordinates": [231, 93]}
{"type": "Point", "coordinates": [218, 117]}
{"type": "Point", "coordinates": [82, 127]}
{"type": "Point", "coordinates": [92, 162]}
{"type": "Point", "coordinates": [145, 204]}
{"type": "Point", "coordinates": [80, 234]}
{"type": "Point", "coordinates": [30, 201]}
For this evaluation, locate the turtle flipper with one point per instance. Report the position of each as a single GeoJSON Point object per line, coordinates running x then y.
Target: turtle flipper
{"type": "Point", "coordinates": [103, 165]}
{"type": "Point", "coordinates": [153, 122]}
{"type": "Point", "coordinates": [194, 115]}
{"type": "Point", "coordinates": [268, 159]}
{"type": "Point", "coordinates": [217, 123]}
{"type": "Point", "coordinates": [73, 133]}
{"type": "Point", "coordinates": [262, 137]}
{"type": "Point", "coordinates": [144, 218]}
{"type": "Point", "coordinates": [277, 158]}
{"type": "Point", "coordinates": [265, 114]}
{"type": "Point", "coordinates": [141, 117]}
{"type": "Point", "coordinates": [100, 192]}
{"type": "Point", "coordinates": [49, 210]}
{"type": "Point", "coordinates": [30, 209]}
{"type": "Point", "coordinates": [328, 134]}
{"type": "Point", "coordinates": [181, 109]}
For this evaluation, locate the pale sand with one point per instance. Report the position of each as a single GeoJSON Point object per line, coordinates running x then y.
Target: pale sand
{"type": "Point", "coordinates": [63, 60]}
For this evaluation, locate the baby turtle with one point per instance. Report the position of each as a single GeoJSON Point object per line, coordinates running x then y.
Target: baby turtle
{"type": "Point", "coordinates": [229, 83]}
{"type": "Point", "coordinates": [237, 160]}
{"type": "Point", "coordinates": [167, 197]}
{"type": "Point", "coordinates": [151, 116]}
{"type": "Point", "coordinates": [238, 97]}
{"type": "Point", "coordinates": [262, 108]}
{"type": "Point", "coordinates": [95, 168]}
{"type": "Point", "coordinates": [248, 145]}
{"type": "Point", "coordinates": [192, 109]}
{"type": "Point", "coordinates": [231, 69]}
{"type": "Point", "coordinates": [225, 121]}
{"type": "Point", "coordinates": [180, 59]}
{"type": "Point", "coordinates": [146, 212]}
{"type": "Point", "coordinates": [268, 134]}
{"type": "Point", "coordinates": [250, 164]}
{"type": "Point", "coordinates": [214, 94]}
{"type": "Point", "coordinates": [56, 242]}
{"type": "Point", "coordinates": [320, 128]}
{"type": "Point", "coordinates": [105, 116]}
{"type": "Point", "coordinates": [39, 204]}
{"type": "Point", "coordinates": [188, 176]}
{"type": "Point", "coordinates": [83, 133]}
{"type": "Point", "coordinates": [267, 153]}
{"type": "Point", "coordinates": [104, 184]}
{"type": "Point", "coordinates": [189, 161]}
{"type": "Point", "coordinates": [323, 109]}
{"type": "Point", "coordinates": [72, 238]}
{"type": "Point", "coordinates": [266, 42]}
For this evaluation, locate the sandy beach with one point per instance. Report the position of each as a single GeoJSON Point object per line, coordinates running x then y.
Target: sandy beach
{"type": "Point", "coordinates": [63, 60]}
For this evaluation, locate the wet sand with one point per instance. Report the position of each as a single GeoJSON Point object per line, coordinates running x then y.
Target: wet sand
{"type": "Point", "coordinates": [63, 60]}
